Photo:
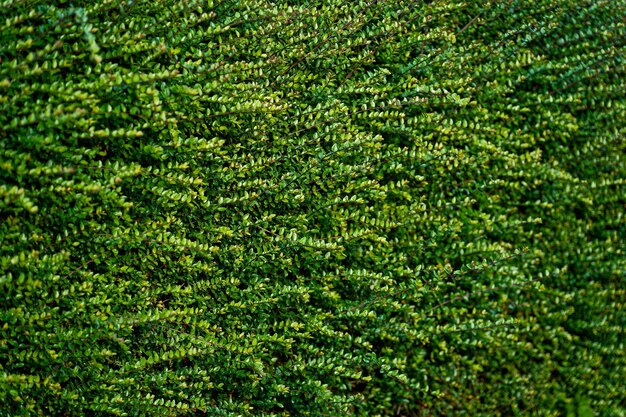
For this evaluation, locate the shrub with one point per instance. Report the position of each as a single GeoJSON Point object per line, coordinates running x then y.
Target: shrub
{"type": "Point", "coordinates": [312, 208]}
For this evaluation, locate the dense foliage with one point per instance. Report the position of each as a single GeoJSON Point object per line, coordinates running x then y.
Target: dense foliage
{"type": "Point", "coordinates": [291, 208]}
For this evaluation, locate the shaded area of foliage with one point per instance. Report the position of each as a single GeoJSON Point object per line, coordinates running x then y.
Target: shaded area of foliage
{"type": "Point", "coordinates": [312, 208]}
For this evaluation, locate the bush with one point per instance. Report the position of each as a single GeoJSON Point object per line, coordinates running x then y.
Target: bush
{"type": "Point", "coordinates": [301, 208]}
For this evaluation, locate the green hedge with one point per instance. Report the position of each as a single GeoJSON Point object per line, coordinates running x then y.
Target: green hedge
{"type": "Point", "coordinates": [255, 208]}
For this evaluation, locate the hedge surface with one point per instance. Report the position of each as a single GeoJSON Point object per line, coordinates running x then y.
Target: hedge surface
{"type": "Point", "coordinates": [312, 208]}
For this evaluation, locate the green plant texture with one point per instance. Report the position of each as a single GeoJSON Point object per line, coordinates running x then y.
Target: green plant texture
{"type": "Point", "coordinates": [312, 208]}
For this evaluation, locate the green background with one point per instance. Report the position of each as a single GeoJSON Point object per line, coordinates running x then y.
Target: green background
{"type": "Point", "coordinates": [324, 208]}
